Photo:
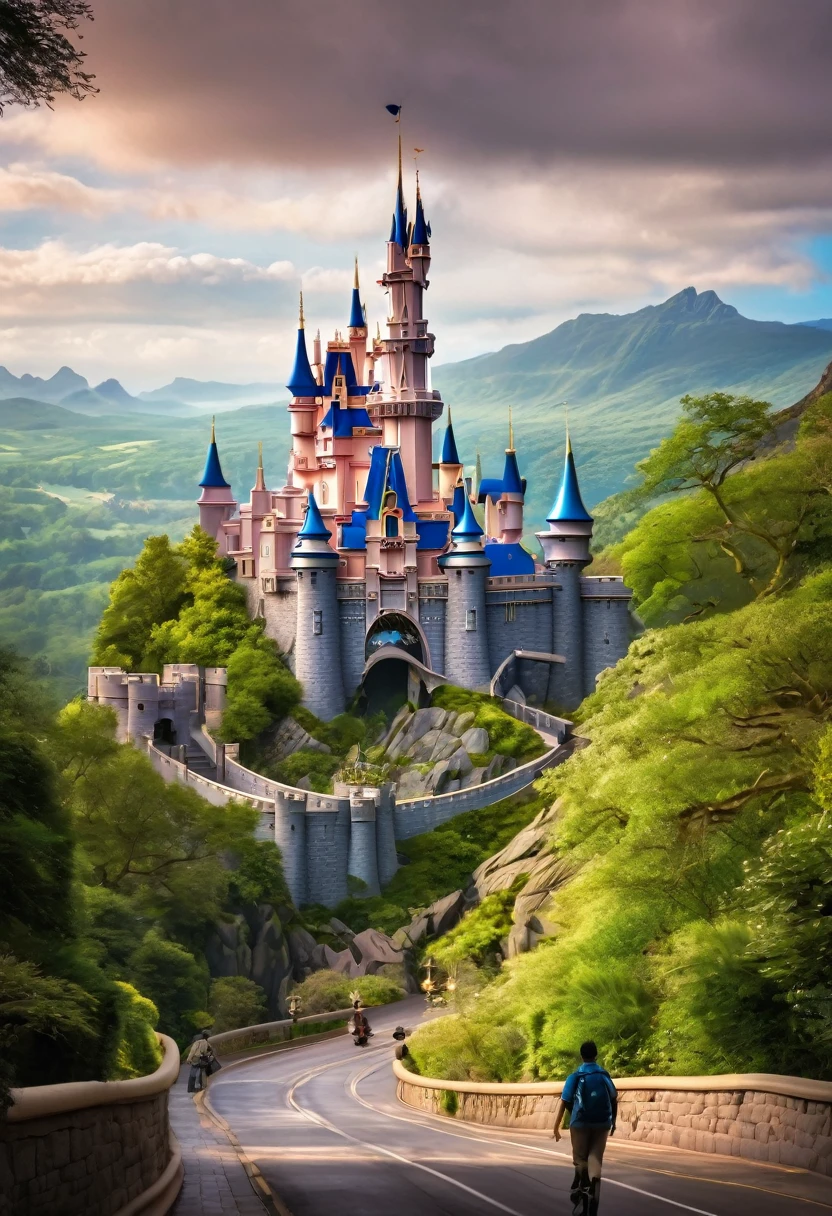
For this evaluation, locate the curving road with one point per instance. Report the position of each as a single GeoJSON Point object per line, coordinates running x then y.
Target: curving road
{"type": "Point", "coordinates": [324, 1126]}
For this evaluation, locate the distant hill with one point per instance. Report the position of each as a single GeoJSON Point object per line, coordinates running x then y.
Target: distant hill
{"type": "Point", "coordinates": [623, 377]}
{"type": "Point", "coordinates": [823, 323]}
{"type": "Point", "coordinates": [110, 397]}
{"type": "Point", "coordinates": [23, 414]}
{"type": "Point", "coordinates": [63, 382]}
{"type": "Point", "coordinates": [207, 392]}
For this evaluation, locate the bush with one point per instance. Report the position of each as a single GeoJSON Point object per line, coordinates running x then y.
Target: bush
{"type": "Point", "coordinates": [478, 935]}
{"type": "Point", "coordinates": [327, 991]}
{"type": "Point", "coordinates": [317, 766]}
{"type": "Point", "coordinates": [261, 689]}
{"type": "Point", "coordinates": [506, 735]}
{"type": "Point", "coordinates": [139, 1052]}
{"type": "Point", "coordinates": [174, 981]}
{"type": "Point", "coordinates": [235, 1002]}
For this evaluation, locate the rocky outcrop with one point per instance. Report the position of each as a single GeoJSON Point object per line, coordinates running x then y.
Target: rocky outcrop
{"type": "Point", "coordinates": [253, 944]}
{"type": "Point", "coordinates": [287, 738]}
{"type": "Point", "coordinates": [430, 752]}
{"type": "Point", "coordinates": [439, 918]}
{"type": "Point", "coordinates": [529, 853]}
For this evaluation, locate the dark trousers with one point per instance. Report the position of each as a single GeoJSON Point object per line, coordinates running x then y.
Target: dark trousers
{"type": "Point", "coordinates": [588, 1144]}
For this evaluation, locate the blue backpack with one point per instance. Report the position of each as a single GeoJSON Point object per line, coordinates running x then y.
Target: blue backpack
{"type": "Point", "coordinates": [592, 1104]}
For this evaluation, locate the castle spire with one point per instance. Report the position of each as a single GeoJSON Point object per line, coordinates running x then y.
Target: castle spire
{"type": "Point", "coordinates": [260, 480]}
{"type": "Point", "coordinates": [568, 506]}
{"type": "Point", "coordinates": [312, 548]}
{"type": "Point", "coordinates": [421, 228]}
{"type": "Point", "coordinates": [449, 452]}
{"type": "Point", "coordinates": [357, 320]}
{"type": "Point", "coordinates": [301, 382]}
{"type": "Point", "coordinates": [398, 232]}
{"type": "Point", "coordinates": [212, 474]}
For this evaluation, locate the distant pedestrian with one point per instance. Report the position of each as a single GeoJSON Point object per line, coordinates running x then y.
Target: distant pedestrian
{"type": "Point", "coordinates": [592, 1101]}
{"type": "Point", "coordinates": [200, 1057]}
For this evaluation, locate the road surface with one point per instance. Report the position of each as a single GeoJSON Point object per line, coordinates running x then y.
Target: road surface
{"type": "Point", "coordinates": [324, 1126]}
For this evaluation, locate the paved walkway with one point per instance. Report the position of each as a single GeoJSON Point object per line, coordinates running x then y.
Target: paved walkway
{"type": "Point", "coordinates": [216, 1183]}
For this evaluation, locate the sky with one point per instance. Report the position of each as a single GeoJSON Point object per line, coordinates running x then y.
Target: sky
{"type": "Point", "coordinates": [578, 156]}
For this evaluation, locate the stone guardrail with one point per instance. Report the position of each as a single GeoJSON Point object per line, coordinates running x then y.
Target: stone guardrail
{"type": "Point", "coordinates": [266, 1032]}
{"type": "Point", "coordinates": [757, 1116]}
{"type": "Point", "coordinates": [416, 815]}
{"type": "Point", "coordinates": [92, 1148]}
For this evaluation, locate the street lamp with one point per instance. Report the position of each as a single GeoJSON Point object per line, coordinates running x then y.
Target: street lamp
{"type": "Point", "coordinates": [433, 988]}
{"type": "Point", "coordinates": [294, 1007]}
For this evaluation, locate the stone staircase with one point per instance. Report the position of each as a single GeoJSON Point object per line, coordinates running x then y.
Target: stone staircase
{"type": "Point", "coordinates": [199, 762]}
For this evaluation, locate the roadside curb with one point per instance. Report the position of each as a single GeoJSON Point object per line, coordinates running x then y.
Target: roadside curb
{"type": "Point", "coordinates": [273, 1203]}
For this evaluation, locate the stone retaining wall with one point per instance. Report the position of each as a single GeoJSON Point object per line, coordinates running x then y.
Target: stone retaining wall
{"type": "Point", "coordinates": [91, 1148]}
{"type": "Point", "coordinates": [760, 1117]}
{"type": "Point", "coordinates": [269, 1032]}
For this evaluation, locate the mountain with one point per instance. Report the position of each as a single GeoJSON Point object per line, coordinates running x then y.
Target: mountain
{"type": "Point", "coordinates": [63, 382]}
{"type": "Point", "coordinates": [110, 397]}
{"type": "Point", "coordinates": [23, 414]}
{"type": "Point", "coordinates": [214, 392]}
{"type": "Point", "coordinates": [623, 377]}
{"type": "Point", "coordinates": [823, 323]}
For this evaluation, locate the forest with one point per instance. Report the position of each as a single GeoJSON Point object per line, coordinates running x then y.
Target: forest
{"type": "Point", "coordinates": [695, 933]}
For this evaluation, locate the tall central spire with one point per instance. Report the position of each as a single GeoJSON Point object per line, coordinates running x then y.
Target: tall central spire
{"type": "Point", "coordinates": [357, 320]}
{"type": "Point", "coordinates": [398, 232]}
{"type": "Point", "coordinates": [301, 382]}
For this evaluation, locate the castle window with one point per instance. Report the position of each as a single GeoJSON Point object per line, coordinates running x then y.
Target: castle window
{"type": "Point", "coordinates": [608, 603]}
{"type": "Point", "coordinates": [314, 578]}
{"type": "Point", "coordinates": [317, 621]}
{"type": "Point", "coordinates": [140, 705]}
{"type": "Point", "coordinates": [511, 612]}
{"type": "Point", "coordinates": [324, 492]}
{"type": "Point", "coordinates": [265, 550]}
{"type": "Point", "coordinates": [606, 638]}
{"type": "Point", "coordinates": [471, 620]}
{"type": "Point", "coordinates": [391, 525]}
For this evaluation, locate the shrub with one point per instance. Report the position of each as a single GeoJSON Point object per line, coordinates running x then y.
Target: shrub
{"type": "Point", "coordinates": [317, 766]}
{"type": "Point", "coordinates": [138, 1052]}
{"type": "Point", "coordinates": [174, 981]}
{"type": "Point", "coordinates": [236, 1001]}
{"type": "Point", "coordinates": [326, 991]}
{"type": "Point", "coordinates": [506, 735]}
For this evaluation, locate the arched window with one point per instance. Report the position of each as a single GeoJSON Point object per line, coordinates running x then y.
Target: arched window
{"type": "Point", "coordinates": [395, 629]}
{"type": "Point", "coordinates": [324, 492]}
{"type": "Point", "coordinates": [391, 525]}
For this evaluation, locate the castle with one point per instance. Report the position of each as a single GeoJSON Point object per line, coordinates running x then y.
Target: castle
{"type": "Point", "coordinates": [371, 558]}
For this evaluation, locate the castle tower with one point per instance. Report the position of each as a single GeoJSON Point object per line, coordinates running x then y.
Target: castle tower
{"type": "Point", "coordinates": [450, 466]}
{"type": "Point", "coordinates": [466, 636]}
{"type": "Point", "coordinates": [407, 407]}
{"type": "Point", "coordinates": [216, 502]}
{"type": "Point", "coordinates": [302, 412]}
{"type": "Point", "coordinates": [566, 552]}
{"type": "Point", "coordinates": [510, 502]}
{"type": "Point", "coordinates": [317, 648]}
{"type": "Point", "coordinates": [358, 334]}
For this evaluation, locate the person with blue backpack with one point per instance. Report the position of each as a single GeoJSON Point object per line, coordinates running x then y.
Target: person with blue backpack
{"type": "Point", "coordinates": [592, 1101]}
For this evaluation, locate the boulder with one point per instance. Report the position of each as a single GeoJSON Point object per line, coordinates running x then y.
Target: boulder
{"type": "Point", "coordinates": [412, 784]}
{"type": "Point", "coordinates": [271, 965]}
{"type": "Point", "coordinates": [419, 724]}
{"type": "Point", "coordinates": [399, 723]}
{"type": "Point", "coordinates": [473, 778]}
{"type": "Point", "coordinates": [340, 929]}
{"type": "Point", "coordinates": [227, 949]}
{"type": "Point", "coordinates": [460, 762]}
{"type": "Point", "coordinates": [463, 722]}
{"type": "Point", "coordinates": [445, 746]}
{"type": "Point", "coordinates": [290, 737]}
{"type": "Point", "coordinates": [421, 750]}
{"type": "Point", "coordinates": [445, 913]}
{"type": "Point", "coordinates": [475, 739]}
{"type": "Point", "coordinates": [301, 945]}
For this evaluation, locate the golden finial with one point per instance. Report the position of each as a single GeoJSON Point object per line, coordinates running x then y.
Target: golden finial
{"type": "Point", "coordinates": [213, 428]}
{"type": "Point", "coordinates": [260, 454]}
{"type": "Point", "coordinates": [568, 440]}
{"type": "Point", "coordinates": [301, 324]}
{"type": "Point", "coordinates": [355, 280]}
{"type": "Point", "coordinates": [510, 447]}
{"type": "Point", "coordinates": [400, 157]}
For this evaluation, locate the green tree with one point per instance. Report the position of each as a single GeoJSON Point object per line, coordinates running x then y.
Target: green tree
{"type": "Point", "coordinates": [175, 982]}
{"type": "Point", "coordinates": [261, 689]}
{"type": "Point", "coordinates": [37, 59]}
{"type": "Point", "coordinates": [138, 1051]}
{"type": "Point", "coordinates": [141, 598]}
{"type": "Point", "coordinates": [236, 1001]}
{"type": "Point", "coordinates": [717, 434]}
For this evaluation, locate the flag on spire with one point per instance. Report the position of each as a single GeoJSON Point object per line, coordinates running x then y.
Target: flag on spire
{"type": "Point", "coordinates": [396, 111]}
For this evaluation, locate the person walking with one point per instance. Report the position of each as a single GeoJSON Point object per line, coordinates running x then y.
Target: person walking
{"type": "Point", "coordinates": [200, 1057]}
{"type": "Point", "coordinates": [592, 1101]}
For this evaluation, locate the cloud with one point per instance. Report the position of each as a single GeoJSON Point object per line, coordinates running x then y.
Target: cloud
{"type": "Point", "coordinates": [689, 81]}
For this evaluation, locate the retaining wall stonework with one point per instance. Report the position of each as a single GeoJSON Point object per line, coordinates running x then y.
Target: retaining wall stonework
{"type": "Point", "coordinates": [754, 1123]}
{"type": "Point", "coordinates": [103, 1147]}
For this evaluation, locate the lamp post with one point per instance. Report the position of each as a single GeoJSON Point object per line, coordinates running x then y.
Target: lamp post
{"type": "Point", "coordinates": [294, 1007]}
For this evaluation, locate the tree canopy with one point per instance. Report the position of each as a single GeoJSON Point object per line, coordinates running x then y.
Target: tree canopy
{"type": "Point", "coordinates": [37, 58]}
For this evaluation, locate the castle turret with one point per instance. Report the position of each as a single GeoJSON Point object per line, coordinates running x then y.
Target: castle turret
{"type": "Point", "coordinates": [466, 637]}
{"type": "Point", "coordinates": [317, 651]}
{"type": "Point", "coordinates": [566, 552]}
{"type": "Point", "coordinates": [216, 502]}
{"type": "Point", "coordinates": [450, 466]}
{"type": "Point", "coordinates": [510, 502]}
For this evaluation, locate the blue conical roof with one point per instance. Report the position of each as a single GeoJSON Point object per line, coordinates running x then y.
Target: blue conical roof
{"type": "Point", "coordinates": [512, 481]}
{"type": "Point", "coordinates": [421, 228]}
{"type": "Point", "coordinates": [314, 527]}
{"type": "Point", "coordinates": [568, 505]}
{"type": "Point", "coordinates": [467, 528]}
{"type": "Point", "coordinates": [356, 311]}
{"type": "Point", "coordinates": [212, 477]}
{"type": "Point", "coordinates": [302, 383]}
{"type": "Point", "coordinates": [398, 232]}
{"type": "Point", "coordinates": [449, 452]}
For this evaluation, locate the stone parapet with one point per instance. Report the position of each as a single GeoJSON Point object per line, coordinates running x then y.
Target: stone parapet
{"type": "Point", "coordinates": [92, 1148]}
{"type": "Point", "coordinates": [756, 1116]}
